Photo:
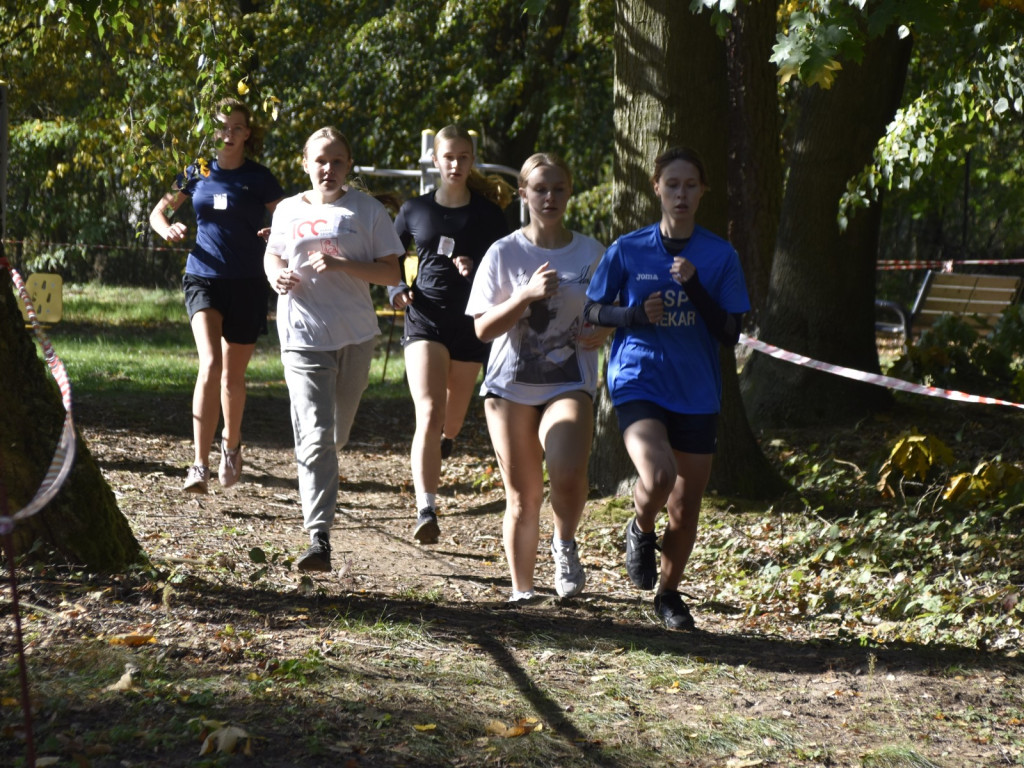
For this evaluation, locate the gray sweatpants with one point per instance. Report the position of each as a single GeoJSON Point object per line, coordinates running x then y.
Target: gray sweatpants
{"type": "Point", "coordinates": [324, 388]}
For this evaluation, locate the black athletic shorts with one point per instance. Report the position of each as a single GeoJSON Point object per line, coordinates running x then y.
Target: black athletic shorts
{"type": "Point", "coordinates": [242, 304]}
{"type": "Point", "coordinates": [687, 432]}
{"type": "Point", "coordinates": [457, 333]}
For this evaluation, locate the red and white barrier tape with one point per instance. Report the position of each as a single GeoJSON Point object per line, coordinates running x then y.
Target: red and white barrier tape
{"type": "Point", "coordinates": [871, 378]}
{"type": "Point", "coordinates": [64, 455]}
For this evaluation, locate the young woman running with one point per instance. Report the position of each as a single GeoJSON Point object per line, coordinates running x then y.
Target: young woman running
{"type": "Point", "coordinates": [680, 293]}
{"type": "Point", "coordinates": [541, 377]}
{"type": "Point", "coordinates": [326, 246]}
{"type": "Point", "coordinates": [225, 291]}
{"type": "Point", "coordinates": [452, 227]}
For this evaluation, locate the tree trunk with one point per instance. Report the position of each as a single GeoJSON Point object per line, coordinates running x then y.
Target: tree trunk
{"type": "Point", "coordinates": [82, 523]}
{"type": "Point", "coordinates": [821, 298]}
{"type": "Point", "coordinates": [754, 183]}
{"type": "Point", "coordinates": [671, 88]}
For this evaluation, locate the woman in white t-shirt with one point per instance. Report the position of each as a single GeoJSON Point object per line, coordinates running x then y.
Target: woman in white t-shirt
{"type": "Point", "coordinates": [326, 246]}
{"type": "Point", "coordinates": [541, 376]}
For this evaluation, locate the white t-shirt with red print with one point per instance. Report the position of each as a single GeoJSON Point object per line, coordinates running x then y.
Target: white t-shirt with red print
{"type": "Point", "coordinates": [330, 310]}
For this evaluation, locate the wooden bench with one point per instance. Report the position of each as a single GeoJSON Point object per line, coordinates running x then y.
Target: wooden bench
{"type": "Point", "coordinates": [978, 299]}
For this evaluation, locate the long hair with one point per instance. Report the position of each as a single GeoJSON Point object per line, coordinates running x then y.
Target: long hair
{"type": "Point", "coordinates": [492, 187]}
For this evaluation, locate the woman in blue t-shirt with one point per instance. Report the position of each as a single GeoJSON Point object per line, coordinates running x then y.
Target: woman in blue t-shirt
{"type": "Point", "coordinates": [225, 288]}
{"type": "Point", "coordinates": [674, 292]}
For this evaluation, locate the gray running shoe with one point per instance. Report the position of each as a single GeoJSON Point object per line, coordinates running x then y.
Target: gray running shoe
{"type": "Point", "coordinates": [569, 574]}
{"type": "Point", "coordinates": [197, 479]}
{"type": "Point", "coordinates": [230, 465]}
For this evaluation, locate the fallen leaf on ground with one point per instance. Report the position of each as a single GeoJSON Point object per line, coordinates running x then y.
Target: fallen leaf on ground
{"type": "Point", "coordinates": [127, 680]}
{"type": "Point", "coordinates": [132, 640]}
{"type": "Point", "coordinates": [521, 727]}
{"type": "Point", "coordinates": [226, 740]}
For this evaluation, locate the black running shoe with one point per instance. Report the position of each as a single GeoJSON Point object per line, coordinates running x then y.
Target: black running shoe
{"type": "Point", "coordinates": [672, 610]}
{"type": "Point", "coordinates": [641, 563]}
{"type": "Point", "coordinates": [447, 447]}
{"type": "Point", "coordinates": [318, 556]}
{"type": "Point", "coordinates": [427, 530]}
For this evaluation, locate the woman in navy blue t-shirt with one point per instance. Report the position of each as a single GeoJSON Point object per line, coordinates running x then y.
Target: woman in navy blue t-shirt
{"type": "Point", "coordinates": [225, 288]}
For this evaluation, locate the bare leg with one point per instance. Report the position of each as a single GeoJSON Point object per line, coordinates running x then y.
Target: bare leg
{"type": "Point", "coordinates": [648, 447]}
{"type": "Point", "coordinates": [513, 429]}
{"type": "Point", "coordinates": [461, 387]}
{"type": "Point", "coordinates": [232, 389]}
{"type": "Point", "coordinates": [566, 431]}
{"type": "Point", "coordinates": [206, 329]}
{"type": "Point", "coordinates": [694, 469]}
{"type": "Point", "coordinates": [426, 367]}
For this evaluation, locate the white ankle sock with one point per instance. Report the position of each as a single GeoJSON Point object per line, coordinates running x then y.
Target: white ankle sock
{"type": "Point", "coordinates": [426, 500]}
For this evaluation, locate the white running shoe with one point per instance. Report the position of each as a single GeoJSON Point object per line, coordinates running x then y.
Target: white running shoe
{"type": "Point", "coordinates": [230, 465]}
{"type": "Point", "coordinates": [569, 574]}
{"type": "Point", "coordinates": [197, 478]}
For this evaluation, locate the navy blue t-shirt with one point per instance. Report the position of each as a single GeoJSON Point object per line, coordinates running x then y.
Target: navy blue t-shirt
{"type": "Point", "coordinates": [230, 208]}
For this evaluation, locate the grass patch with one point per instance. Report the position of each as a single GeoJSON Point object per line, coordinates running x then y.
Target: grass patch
{"type": "Point", "coordinates": [137, 340]}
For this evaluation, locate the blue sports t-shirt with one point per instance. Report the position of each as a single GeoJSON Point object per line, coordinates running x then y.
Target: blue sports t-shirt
{"type": "Point", "coordinates": [230, 208]}
{"type": "Point", "coordinates": [675, 363]}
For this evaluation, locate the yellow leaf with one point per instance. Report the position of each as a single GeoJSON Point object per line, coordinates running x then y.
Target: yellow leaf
{"type": "Point", "coordinates": [958, 486]}
{"type": "Point", "coordinates": [132, 640]}
{"type": "Point", "coordinates": [427, 727]}
{"type": "Point", "coordinates": [242, 88]}
{"type": "Point", "coordinates": [9, 701]}
{"type": "Point", "coordinates": [496, 728]}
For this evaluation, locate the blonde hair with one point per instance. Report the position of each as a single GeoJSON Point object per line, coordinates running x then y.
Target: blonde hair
{"type": "Point", "coordinates": [543, 160]}
{"type": "Point", "coordinates": [492, 187]}
{"type": "Point", "coordinates": [391, 200]}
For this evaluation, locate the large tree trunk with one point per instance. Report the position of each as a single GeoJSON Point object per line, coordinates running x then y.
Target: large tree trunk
{"type": "Point", "coordinates": [754, 183]}
{"type": "Point", "coordinates": [754, 192]}
{"type": "Point", "coordinates": [671, 88]}
{"type": "Point", "coordinates": [821, 298]}
{"type": "Point", "coordinates": [82, 523]}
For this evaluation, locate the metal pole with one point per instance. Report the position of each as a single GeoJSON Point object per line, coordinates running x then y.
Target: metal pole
{"type": "Point", "coordinates": [967, 196]}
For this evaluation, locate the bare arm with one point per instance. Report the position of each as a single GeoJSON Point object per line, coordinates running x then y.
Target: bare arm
{"type": "Point", "coordinates": [280, 277]}
{"type": "Point", "coordinates": [175, 232]}
{"type": "Point", "coordinates": [501, 317]}
{"type": "Point", "coordinates": [382, 271]}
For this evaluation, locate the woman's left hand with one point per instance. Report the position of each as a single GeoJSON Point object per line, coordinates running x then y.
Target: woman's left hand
{"type": "Point", "coordinates": [464, 264]}
{"type": "Point", "coordinates": [682, 270]}
{"type": "Point", "coordinates": [321, 262]}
